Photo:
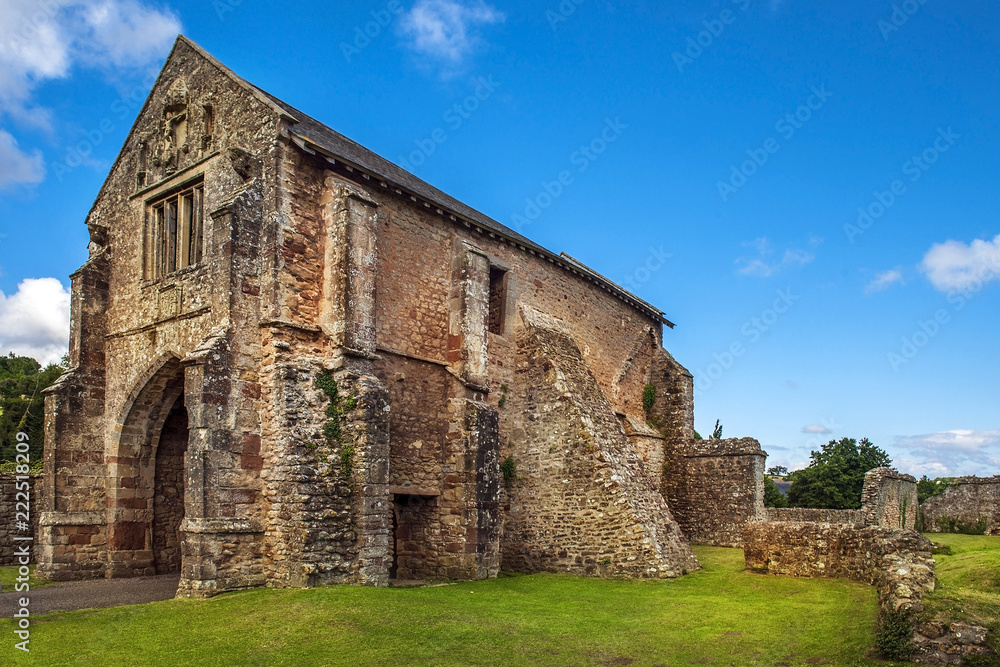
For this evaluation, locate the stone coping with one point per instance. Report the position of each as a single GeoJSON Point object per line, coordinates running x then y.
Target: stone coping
{"type": "Point", "coordinates": [220, 525]}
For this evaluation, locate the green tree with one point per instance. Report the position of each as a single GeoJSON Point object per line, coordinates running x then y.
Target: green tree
{"type": "Point", "coordinates": [778, 471]}
{"type": "Point", "coordinates": [931, 487]}
{"type": "Point", "coordinates": [836, 475]}
{"type": "Point", "coordinates": [22, 380]}
{"type": "Point", "coordinates": [773, 497]}
{"type": "Point", "coordinates": [717, 433]}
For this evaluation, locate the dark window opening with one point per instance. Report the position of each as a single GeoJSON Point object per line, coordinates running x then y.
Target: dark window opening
{"type": "Point", "coordinates": [174, 233]}
{"type": "Point", "coordinates": [498, 300]}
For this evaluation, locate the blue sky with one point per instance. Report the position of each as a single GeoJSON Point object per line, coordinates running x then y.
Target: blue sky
{"type": "Point", "coordinates": [809, 192]}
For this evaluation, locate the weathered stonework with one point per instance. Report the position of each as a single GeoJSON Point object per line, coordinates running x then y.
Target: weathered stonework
{"type": "Point", "coordinates": [716, 487]}
{"type": "Point", "coordinates": [896, 561]}
{"type": "Point", "coordinates": [970, 500]}
{"type": "Point", "coordinates": [292, 363]}
{"type": "Point", "coordinates": [889, 499]}
{"type": "Point", "coordinates": [802, 514]}
{"type": "Point", "coordinates": [16, 489]}
{"type": "Point", "coordinates": [582, 501]}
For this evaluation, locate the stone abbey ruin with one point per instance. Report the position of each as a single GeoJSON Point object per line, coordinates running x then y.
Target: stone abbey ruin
{"type": "Point", "coordinates": [293, 363]}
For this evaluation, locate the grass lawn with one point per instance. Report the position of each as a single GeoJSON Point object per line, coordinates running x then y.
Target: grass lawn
{"type": "Point", "coordinates": [718, 616]}
{"type": "Point", "coordinates": [968, 581]}
{"type": "Point", "coordinates": [8, 576]}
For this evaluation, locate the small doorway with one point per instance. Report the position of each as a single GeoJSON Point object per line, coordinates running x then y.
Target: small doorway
{"type": "Point", "coordinates": [168, 489]}
{"type": "Point", "coordinates": [415, 533]}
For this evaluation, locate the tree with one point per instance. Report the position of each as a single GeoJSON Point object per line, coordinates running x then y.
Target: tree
{"type": "Point", "coordinates": [717, 433]}
{"type": "Point", "coordinates": [777, 471]}
{"type": "Point", "coordinates": [835, 477]}
{"type": "Point", "coordinates": [22, 380]}
{"type": "Point", "coordinates": [931, 487]}
{"type": "Point", "coordinates": [773, 497]}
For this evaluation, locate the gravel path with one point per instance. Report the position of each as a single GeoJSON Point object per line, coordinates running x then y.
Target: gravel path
{"type": "Point", "coordinates": [92, 594]}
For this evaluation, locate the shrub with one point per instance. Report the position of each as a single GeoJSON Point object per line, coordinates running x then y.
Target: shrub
{"type": "Point", "coordinates": [509, 470]}
{"type": "Point", "coordinates": [892, 637]}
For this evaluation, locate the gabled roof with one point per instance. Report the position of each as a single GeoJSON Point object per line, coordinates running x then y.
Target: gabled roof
{"type": "Point", "coordinates": [316, 138]}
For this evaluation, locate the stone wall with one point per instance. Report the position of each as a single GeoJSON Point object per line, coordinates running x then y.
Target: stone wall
{"type": "Point", "coordinates": [9, 498]}
{"type": "Point", "coordinates": [715, 487]}
{"type": "Point", "coordinates": [889, 499]}
{"type": "Point", "coordinates": [896, 561]}
{"type": "Point", "coordinates": [801, 514]}
{"type": "Point", "coordinates": [969, 500]}
{"type": "Point", "coordinates": [582, 502]}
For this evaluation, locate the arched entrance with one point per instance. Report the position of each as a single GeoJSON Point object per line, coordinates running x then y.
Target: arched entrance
{"type": "Point", "coordinates": [147, 477]}
{"type": "Point", "coordinates": [168, 490]}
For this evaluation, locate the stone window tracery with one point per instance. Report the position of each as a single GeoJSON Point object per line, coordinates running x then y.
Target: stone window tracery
{"type": "Point", "coordinates": [174, 232]}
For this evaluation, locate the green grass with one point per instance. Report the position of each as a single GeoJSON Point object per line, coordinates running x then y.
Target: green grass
{"type": "Point", "coordinates": [8, 577]}
{"type": "Point", "coordinates": [968, 586]}
{"type": "Point", "coordinates": [718, 616]}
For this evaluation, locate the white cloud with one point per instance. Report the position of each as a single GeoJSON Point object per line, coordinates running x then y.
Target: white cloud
{"type": "Point", "coordinates": [446, 29]}
{"type": "Point", "coordinates": [884, 280]}
{"type": "Point", "coordinates": [34, 321]}
{"type": "Point", "coordinates": [16, 166]}
{"type": "Point", "coordinates": [43, 40]}
{"type": "Point", "coordinates": [949, 453]}
{"type": "Point", "coordinates": [764, 264]}
{"type": "Point", "coordinates": [953, 266]}
{"type": "Point", "coordinates": [816, 428]}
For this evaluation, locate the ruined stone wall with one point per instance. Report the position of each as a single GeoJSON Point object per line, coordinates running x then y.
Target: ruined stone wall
{"type": "Point", "coordinates": [809, 514]}
{"type": "Point", "coordinates": [715, 487]}
{"type": "Point", "coordinates": [9, 499]}
{"type": "Point", "coordinates": [970, 500]}
{"type": "Point", "coordinates": [581, 502]}
{"type": "Point", "coordinates": [898, 562]}
{"type": "Point", "coordinates": [889, 499]}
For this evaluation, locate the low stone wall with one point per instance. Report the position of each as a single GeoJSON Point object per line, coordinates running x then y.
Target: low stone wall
{"type": "Point", "coordinates": [969, 500]}
{"type": "Point", "coordinates": [897, 562]}
{"type": "Point", "coordinates": [8, 517]}
{"type": "Point", "coordinates": [889, 499]}
{"type": "Point", "coordinates": [800, 514]}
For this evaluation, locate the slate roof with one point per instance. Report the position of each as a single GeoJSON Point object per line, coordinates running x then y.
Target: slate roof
{"type": "Point", "coordinates": [314, 137]}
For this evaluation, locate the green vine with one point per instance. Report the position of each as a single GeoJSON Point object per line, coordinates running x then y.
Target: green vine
{"type": "Point", "coordinates": [648, 398]}
{"type": "Point", "coordinates": [333, 428]}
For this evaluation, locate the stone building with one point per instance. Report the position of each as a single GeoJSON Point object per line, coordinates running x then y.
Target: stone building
{"type": "Point", "coordinates": [293, 363]}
